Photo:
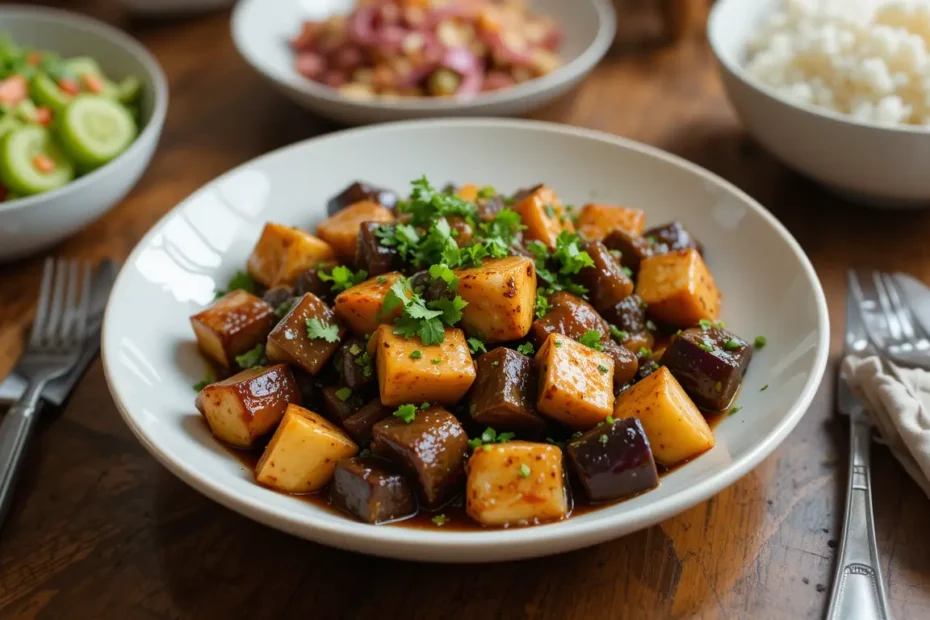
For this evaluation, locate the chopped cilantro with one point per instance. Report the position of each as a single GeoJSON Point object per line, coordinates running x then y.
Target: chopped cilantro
{"type": "Point", "coordinates": [342, 278]}
{"type": "Point", "coordinates": [524, 470]}
{"type": "Point", "coordinates": [703, 346]}
{"type": "Point", "coordinates": [382, 280]}
{"type": "Point", "coordinates": [558, 343]}
{"type": "Point", "coordinates": [760, 342]}
{"type": "Point", "coordinates": [731, 345]}
{"type": "Point", "coordinates": [426, 204]}
{"type": "Point", "coordinates": [441, 271]}
{"type": "Point", "coordinates": [542, 303]}
{"type": "Point", "coordinates": [560, 444]}
{"type": "Point", "coordinates": [592, 338]}
{"type": "Point", "coordinates": [764, 387]}
{"type": "Point", "coordinates": [252, 357]}
{"type": "Point", "coordinates": [734, 410]}
{"type": "Point", "coordinates": [318, 330]}
{"type": "Point", "coordinates": [476, 346]}
{"type": "Point", "coordinates": [420, 318]}
{"type": "Point", "coordinates": [343, 394]}
{"type": "Point", "coordinates": [439, 520]}
{"type": "Point", "coordinates": [618, 333]}
{"type": "Point", "coordinates": [609, 419]}
{"type": "Point", "coordinates": [415, 355]}
{"type": "Point", "coordinates": [487, 192]}
{"type": "Point", "coordinates": [603, 439]}
{"type": "Point", "coordinates": [203, 383]}
{"type": "Point", "coordinates": [603, 369]}
{"type": "Point", "coordinates": [627, 271]}
{"type": "Point", "coordinates": [436, 362]}
{"type": "Point", "coordinates": [407, 413]}
{"type": "Point", "coordinates": [705, 324]}
{"type": "Point", "coordinates": [240, 281]}
{"type": "Point", "coordinates": [354, 349]}
{"type": "Point", "coordinates": [424, 406]}
{"type": "Point", "coordinates": [488, 437]}
{"type": "Point", "coordinates": [645, 352]}
{"type": "Point", "coordinates": [526, 348]}
{"type": "Point", "coordinates": [284, 307]}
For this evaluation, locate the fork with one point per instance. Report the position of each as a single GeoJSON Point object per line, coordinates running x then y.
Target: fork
{"type": "Point", "coordinates": [889, 322]}
{"type": "Point", "coordinates": [53, 349]}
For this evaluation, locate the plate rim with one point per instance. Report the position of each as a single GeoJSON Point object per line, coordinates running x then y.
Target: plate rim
{"type": "Point", "coordinates": [578, 67]}
{"type": "Point", "coordinates": [499, 544]}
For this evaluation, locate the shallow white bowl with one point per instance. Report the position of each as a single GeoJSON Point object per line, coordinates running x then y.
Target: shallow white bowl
{"type": "Point", "coordinates": [262, 29]}
{"type": "Point", "coordinates": [879, 165]}
{"type": "Point", "coordinates": [31, 224]}
{"type": "Point", "coordinates": [151, 360]}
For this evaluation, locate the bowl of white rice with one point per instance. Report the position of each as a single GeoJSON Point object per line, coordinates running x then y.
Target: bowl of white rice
{"type": "Point", "coordinates": [837, 89]}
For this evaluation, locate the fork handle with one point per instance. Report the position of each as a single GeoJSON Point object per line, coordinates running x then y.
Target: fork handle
{"type": "Point", "coordinates": [858, 590]}
{"type": "Point", "coordinates": [15, 431]}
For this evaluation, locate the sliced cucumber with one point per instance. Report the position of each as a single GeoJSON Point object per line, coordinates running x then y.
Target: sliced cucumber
{"type": "Point", "coordinates": [26, 111]}
{"type": "Point", "coordinates": [84, 65]}
{"type": "Point", "coordinates": [128, 91]}
{"type": "Point", "coordinates": [19, 151]}
{"type": "Point", "coordinates": [46, 92]}
{"type": "Point", "coordinates": [94, 129]}
{"type": "Point", "coordinates": [9, 123]}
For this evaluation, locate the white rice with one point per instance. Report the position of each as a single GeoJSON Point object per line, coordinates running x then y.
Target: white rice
{"type": "Point", "coordinates": [869, 59]}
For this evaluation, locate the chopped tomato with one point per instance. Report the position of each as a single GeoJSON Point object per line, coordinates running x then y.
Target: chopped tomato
{"type": "Point", "coordinates": [69, 86]}
{"type": "Point", "coordinates": [43, 115]}
{"type": "Point", "coordinates": [14, 89]}
{"type": "Point", "coordinates": [43, 163]}
{"type": "Point", "coordinates": [33, 58]}
{"type": "Point", "coordinates": [92, 83]}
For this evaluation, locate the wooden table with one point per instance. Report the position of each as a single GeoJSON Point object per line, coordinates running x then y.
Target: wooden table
{"type": "Point", "coordinates": [100, 530]}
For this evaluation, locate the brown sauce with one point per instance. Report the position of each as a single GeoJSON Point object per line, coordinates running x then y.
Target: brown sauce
{"type": "Point", "coordinates": [455, 517]}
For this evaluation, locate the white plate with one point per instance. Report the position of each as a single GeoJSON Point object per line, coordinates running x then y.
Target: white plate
{"type": "Point", "coordinates": [768, 284]}
{"type": "Point", "coordinates": [261, 30]}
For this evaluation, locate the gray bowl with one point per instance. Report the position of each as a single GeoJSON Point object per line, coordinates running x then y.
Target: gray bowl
{"type": "Point", "coordinates": [31, 224]}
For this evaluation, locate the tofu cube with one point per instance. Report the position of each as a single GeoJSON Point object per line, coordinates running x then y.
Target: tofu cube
{"type": "Point", "coordinates": [596, 221]}
{"type": "Point", "coordinates": [234, 324]}
{"type": "Point", "coordinates": [283, 252]}
{"type": "Point", "coordinates": [289, 341]}
{"type": "Point", "coordinates": [302, 454]}
{"type": "Point", "coordinates": [248, 405]}
{"type": "Point", "coordinates": [575, 382]}
{"type": "Point", "coordinates": [360, 306]}
{"type": "Point", "coordinates": [516, 483]}
{"type": "Point", "coordinates": [678, 288]}
{"type": "Point", "coordinates": [501, 296]}
{"type": "Point", "coordinates": [341, 229]}
{"type": "Point", "coordinates": [442, 373]}
{"type": "Point", "coordinates": [543, 216]}
{"type": "Point", "coordinates": [676, 429]}
{"type": "Point", "coordinates": [432, 447]}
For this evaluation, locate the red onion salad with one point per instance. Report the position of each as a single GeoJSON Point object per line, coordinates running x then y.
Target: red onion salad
{"type": "Point", "coordinates": [428, 48]}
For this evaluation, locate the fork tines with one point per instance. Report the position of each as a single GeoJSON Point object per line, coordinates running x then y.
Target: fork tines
{"type": "Point", "coordinates": [64, 305]}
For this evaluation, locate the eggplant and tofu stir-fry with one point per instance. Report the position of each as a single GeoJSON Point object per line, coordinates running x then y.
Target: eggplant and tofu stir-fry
{"type": "Point", "coordinates": [509, 353]}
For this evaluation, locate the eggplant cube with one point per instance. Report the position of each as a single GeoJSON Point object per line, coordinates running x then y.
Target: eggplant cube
{"type": "Point", "coordinates": [614, 461]}
{"type": "Point", "coordinates": [302, 454]}
{"type": "Point", "coordinates": [516, 483]}
{"type": "Point", "coordinates": [360, 306]}
{"type": "Point", "coordinates": [673, 236]}
{"type": "Point", "coordinates": [709, 364]}
{"type": "Point", "coordinates": [234, 324]}
{"type": "Point", "coordinates": [501, 296]}
{"type": "Point", "coordinates": [357, 192]}
{"type": "Point", "coordinates": [568, 315]}
{"type": "Point", "coordinates": [371, 490]}
{"type": "Point", "coordinates": [678, 288]}
{"type": "Point", "coordinates": [241, 409]}
{"type": "Point", "coordinates": [504, 393]}
{"type": "Point", "coordinates": [432, 447]}
{"type": "Point", "coordinates": [337, 408]}
{"type": "Point", "coordinates": [357, 367]}
{"type": "Point", "coordinates": [575, 382]}
{"type": "Point", "coordinates": [633, 249]}
{"type": "Point", "coordinates": [283, 252]}
{"type": "Point", "coordinates": [607, 283]}
{"type": "Point", "coordinates": [290, 342]}
{"type": "Point", "coordinates": [371, 255]}
{"type": "Point", "coordinates": [409, 372]}
{"type": "Point", "coordinates": [675, 427]}
{"type": "Point", "coordinates": [360, 423]}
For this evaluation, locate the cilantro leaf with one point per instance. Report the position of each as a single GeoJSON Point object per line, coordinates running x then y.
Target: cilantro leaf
{"type": "Point", "coordinates": [476, 346]}
{"type": "Point", "coordinates": [204, 382]}
{"type": "Point", "coordinates": [240, 281]}
{"type": "Point", "coordinates": [342, 278]}
{"type": "Point", "coordinates": [450, 309]}
{"type": "Point", "coordinates": [395, 297]}
{"type": "Point", "coordinates": [343, 393]}
{"type": "Point", "coordinates": [542, 303]}
{"type": "Point", "coordinates": [592, 338]}
{"type": "Point", "coordinates": [417, 310]}
{"type": "Point", "coordinates": [252, 357]}
{"type": "Point", "coordinates": [318, 330]}
{"type": "Point", "coordinates": [284, 307]}
{"type": "Point", "coordinates": [618, 333]}
{"type": "Point", "coordinates": [407, 413]}
{"type": "Point", "coordinates": [487, 191]}
{"type": "Point", "coordinates": [490, 436]}
{"type": "Point", "coordinates": [526, 348]}
{"type": "Point", "coordinates": [441, 271]}
{"type": "Point", "coordinates": [426, 204]}
{"type": "Point", "coordinates": [431, 332]}
{"type": "Point", "coordinates": [569, 255]}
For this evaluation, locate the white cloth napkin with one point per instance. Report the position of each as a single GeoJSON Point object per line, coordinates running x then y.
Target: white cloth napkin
{"type": "Point", "coordinates": [898, 401]}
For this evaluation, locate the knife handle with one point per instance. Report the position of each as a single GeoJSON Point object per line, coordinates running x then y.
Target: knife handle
{"type": "Point", "coordinates": [858, 590]}
{"type": "Point", "coordinates": [15, 430]}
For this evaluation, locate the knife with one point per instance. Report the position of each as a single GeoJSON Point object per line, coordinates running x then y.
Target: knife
{"type": "Point", "coordinates": [858, 589]}
{"type": "Point", "coordinates": [917, 297]}
{"type": "Point", "coordinates": [57, 391]}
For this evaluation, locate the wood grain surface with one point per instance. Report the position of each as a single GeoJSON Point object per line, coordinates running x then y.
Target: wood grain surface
{"type": "Point", "coordinates": [100, 530]}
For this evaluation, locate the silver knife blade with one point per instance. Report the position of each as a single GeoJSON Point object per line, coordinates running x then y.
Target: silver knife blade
{"type": "Point", "coordinates": [57, 391]}
{"type": "Point", "coordinates": [917, 297]}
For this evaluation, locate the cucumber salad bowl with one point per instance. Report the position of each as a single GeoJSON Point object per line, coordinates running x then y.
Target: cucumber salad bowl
{"type": "Point", "coordinates": [81, 108]}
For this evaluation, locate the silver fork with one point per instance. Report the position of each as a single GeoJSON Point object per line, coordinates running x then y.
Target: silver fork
{"type": "Point", "coordinates": [53, 349]}
{"type": "Point", "coordinates": [889, 322]}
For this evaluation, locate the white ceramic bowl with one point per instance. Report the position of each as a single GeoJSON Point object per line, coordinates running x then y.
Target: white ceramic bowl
{"type": "Point", "coordinates": [262, 29]}
{"type": "Point", "coordinates": [880, 165]}
{"type": "Point", "coordinates": [30, 224]}
{"type": "Point", "coordinates": [151, 359]}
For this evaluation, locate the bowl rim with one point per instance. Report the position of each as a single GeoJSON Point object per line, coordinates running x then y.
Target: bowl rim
{"type": "Point", "coordinates": [713, 33]}
{"type": "Point", "coordinates": [131, 46]}
{"type": "Point", "coordinates": [522, 542]}
{"type": "Point", "coordinates": [586, 60]}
